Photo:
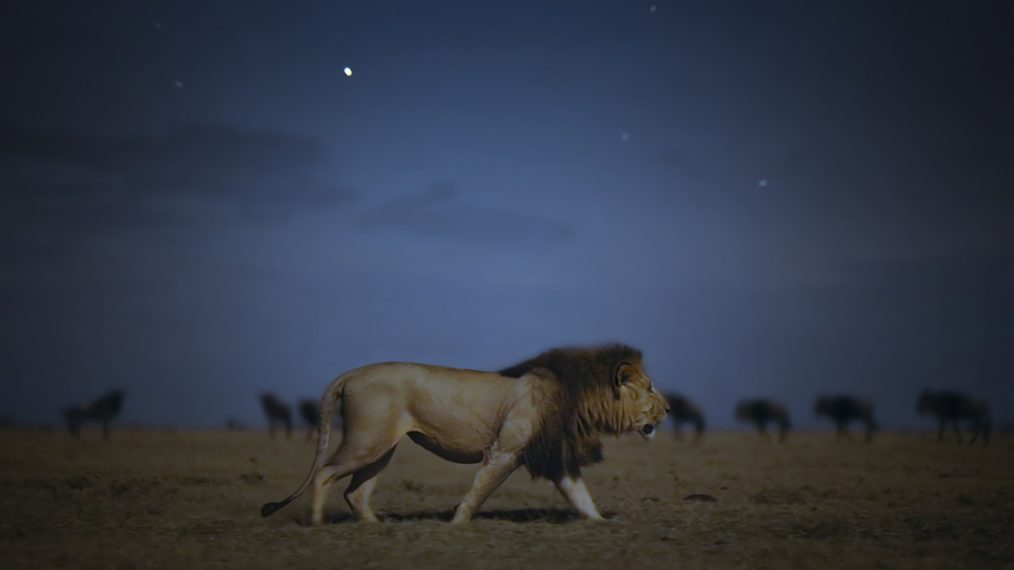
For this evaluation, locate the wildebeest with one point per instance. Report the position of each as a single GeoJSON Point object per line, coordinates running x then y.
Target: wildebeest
{"type": "Point", "coordinates": [309, 410]}
{"type": "Point", "coordinates": [843, 409]}
{"type": "Point", "coordinates": [103, 410]}
{"type": "Point", "coordinates": [277, 411]}
{"type": "Point", "coordinates": [955, 407]}
{"type": "Point", "coordinates": [682, 411]}
{"type": "Point", "coordinates": [760, 412]}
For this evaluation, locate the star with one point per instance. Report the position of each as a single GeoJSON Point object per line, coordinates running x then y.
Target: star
{"type": "Point", "coordinates": [177, 84]}
{"type": "Point", "coordinates": [348, 72]}
{"type": "Point", "coordinates": [762, 183]}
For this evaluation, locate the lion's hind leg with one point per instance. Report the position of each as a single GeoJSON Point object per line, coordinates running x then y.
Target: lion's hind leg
{"type": "Point", "coordinates": [351, 457]}
{"type": "Point", "coordinates": [357, 495]}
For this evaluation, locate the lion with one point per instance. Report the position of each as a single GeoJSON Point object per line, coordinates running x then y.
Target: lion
{"type": "Point", "coordinates": [843, 409]}
{"type": "Point", "coordinates": [760, 412]}
{"type": "Point", "coordinates": [546, 414]}
{"type": "Point", "coordinates": [950, 406]}
{"type": "Point", "coordinates": [277, 411]}
{"type": "Point", "coordinates": [103, 410]}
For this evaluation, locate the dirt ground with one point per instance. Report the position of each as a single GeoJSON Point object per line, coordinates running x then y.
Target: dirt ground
{"type": "Point", "coordinates": [192, 499]}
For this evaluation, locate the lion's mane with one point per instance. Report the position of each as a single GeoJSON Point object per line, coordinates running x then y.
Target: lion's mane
{"type": "Point", "coordinates": [584, 403]}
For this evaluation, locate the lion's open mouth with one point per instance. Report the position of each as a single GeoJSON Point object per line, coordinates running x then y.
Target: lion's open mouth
{"type": "Point", "coordinates": [648, 431]}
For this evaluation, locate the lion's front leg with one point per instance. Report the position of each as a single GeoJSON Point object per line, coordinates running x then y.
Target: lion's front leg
{"type": "Point", "coordinates": [494, 471]}
{"type": "Point", "coordinates": [577, 495]}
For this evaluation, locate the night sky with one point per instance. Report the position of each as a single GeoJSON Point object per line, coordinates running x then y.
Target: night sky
{"type": "Point", "coordinates": [780, 199]}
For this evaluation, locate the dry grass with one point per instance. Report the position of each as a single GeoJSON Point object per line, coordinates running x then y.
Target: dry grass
{"type": "Point", "coordinates": [147, 499]}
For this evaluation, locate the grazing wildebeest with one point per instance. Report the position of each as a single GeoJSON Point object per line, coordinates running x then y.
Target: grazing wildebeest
{"type": "Point", "coordinates": [277, 411]}
{"type": "Point", "coordinates": [103, 410]}
{"type": "Point", "coordinates": [309, 409]}
{"type": "Point", "coordinates": [759, 412]}
{"type": "Point", "coordinates": [682, 411]}
{"type": "Point", "coordinates": [843, 409]}
{"type": "Point", "coordinates": [950, 406]}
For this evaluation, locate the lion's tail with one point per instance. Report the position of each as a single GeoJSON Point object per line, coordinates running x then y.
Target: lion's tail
{"type": "Point", "coordinates": [327, 406]}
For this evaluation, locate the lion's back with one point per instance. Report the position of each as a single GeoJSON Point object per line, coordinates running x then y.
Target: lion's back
{"type": "Point", "coordinates": [429, 389]}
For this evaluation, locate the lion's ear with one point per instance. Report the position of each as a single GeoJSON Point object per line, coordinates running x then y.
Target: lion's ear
{"type": "Point", "coordinates": [624, 374]}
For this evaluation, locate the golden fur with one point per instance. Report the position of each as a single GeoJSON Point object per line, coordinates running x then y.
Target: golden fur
{"type": "Point", "coordinates": [545, 413]}
{"type": "Point", "coordinates": [583, 406]}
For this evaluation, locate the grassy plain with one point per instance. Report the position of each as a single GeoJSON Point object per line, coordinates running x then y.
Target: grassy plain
{"type": "Point", "coordinates": [148, 499]}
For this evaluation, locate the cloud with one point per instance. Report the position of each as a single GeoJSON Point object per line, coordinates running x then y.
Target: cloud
{"type": "Point", "coordinates": [442, 212]}
{"type": "Point", "coordinates": [72, 185]}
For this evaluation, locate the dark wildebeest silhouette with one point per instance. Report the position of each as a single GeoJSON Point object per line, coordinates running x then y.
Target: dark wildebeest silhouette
{"type": "Point", "coordinates": [760, 412]}
{"type": "Point", "coordinates": [955, 407]}
{"type": "Point", "coordinates": [103, 410]}
{"type": "Point", "coordinates": [843, 409]}
{"type": "Point", "coordinates": [277, 411]}
{"type": "Point", "coordinates": [309, 410]}
{"type": "Point", "coordinates": [682, 411]}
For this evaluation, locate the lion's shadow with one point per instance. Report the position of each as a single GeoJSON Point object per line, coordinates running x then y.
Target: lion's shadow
{"type": "Point", "coordinates": [551, 516]}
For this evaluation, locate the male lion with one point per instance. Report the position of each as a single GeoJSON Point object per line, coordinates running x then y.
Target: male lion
{"type": "Point", "coordinates": [545, 413]}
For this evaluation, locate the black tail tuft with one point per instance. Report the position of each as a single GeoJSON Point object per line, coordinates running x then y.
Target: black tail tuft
{"type": "Point", "coordinates": [269, 508]}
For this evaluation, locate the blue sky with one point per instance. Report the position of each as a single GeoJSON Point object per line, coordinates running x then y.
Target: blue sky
{"type": "Point", "coordinates": [780, 199]}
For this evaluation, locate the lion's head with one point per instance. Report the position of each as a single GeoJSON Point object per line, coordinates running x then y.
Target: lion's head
{"type": "Point", "coordinates": [637, 406]}
{"type": "Point", "coordinates": [599, 390]}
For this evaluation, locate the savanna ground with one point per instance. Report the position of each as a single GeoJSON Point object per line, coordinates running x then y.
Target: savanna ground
{"type": "Point", "coordinates": [192, 499]}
